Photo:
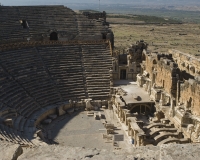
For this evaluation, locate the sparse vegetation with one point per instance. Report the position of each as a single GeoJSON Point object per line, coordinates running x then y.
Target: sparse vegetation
{"type": "Point", "coordinates": [180, 15]}
{"type": "Point", "coordinates": [144, 18]}
{"type": "Point", "coordinates": [89, 10]}
{"type": "Point", "coordinates": [184, 37]}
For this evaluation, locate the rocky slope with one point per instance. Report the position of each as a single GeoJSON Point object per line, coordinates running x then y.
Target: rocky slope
{"type": "Point", "coordinates": [54, 152]}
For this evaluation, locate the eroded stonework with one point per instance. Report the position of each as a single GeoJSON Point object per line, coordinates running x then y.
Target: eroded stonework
{"type": "Point", "coordinates": [172, 83]}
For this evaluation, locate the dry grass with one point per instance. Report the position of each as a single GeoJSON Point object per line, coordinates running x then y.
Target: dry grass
{"type": "Point", "coordinates": [184, 37]}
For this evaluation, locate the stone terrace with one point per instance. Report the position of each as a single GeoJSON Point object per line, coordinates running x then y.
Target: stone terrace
{"type": "Point", "coordinates": [33, 80]}
{"type": "Point", "coordinates": [38, 22]}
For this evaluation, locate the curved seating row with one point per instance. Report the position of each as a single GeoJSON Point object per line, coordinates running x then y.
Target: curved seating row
{"type": "Point", "coordinates": [41, 21]}
{"type": "Point", "coordinates": [33, 80]}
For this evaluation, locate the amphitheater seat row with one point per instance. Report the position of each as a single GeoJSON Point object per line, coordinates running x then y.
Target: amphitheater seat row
{"type": "Point", "coordinates": [34, 22]}
{"type": "Point", "coordinates": [97, 63]}
{"type": "Point", "coordinates": [22, 23]}
{"type": "Point", "coordinates": [11, 135]}
{"type": "Point", "coordinates": [36, 79]}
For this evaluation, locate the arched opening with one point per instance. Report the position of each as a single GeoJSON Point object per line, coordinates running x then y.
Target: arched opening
{"type": "Point", "coordinates": [103, 35]}
{"type": "Point", "coordinates": [154, 61]}
{"type": "Point", "coordinates": [54, 36]}
{"type": "Point", "coordinates": [24, 24]}
{"type": "Point", "coordinates": [135, 109]}
{"type": "Point", "coordinates": [141, 109]}
{"type": "Point", "coordinates": [123, 74]}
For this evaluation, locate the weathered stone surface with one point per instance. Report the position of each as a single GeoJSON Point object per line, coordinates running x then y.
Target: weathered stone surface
{"type": "Point", "coordinates": [164, 152]}
{"type": "Point", "coordinates": [47, 121]}
{"type": "Point", "coordinates": [10, 151]}
{"type": "Point", "coordinates": [52, 116]}
{"type": "Point", "coordinates": [180, 152]}
{"type": "Point", "coordinates": [176, 75]}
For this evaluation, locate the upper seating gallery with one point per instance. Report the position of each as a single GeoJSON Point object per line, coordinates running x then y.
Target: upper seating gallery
{"type": "Point", "coordinates": [36, 23]}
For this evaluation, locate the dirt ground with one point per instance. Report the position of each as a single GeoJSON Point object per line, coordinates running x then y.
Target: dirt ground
{"type": "Point", "coordinates": [183, 37]}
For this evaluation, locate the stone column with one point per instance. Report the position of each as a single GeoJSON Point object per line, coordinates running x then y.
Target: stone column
{"type": "Point", "coordinates": [120, 113]}
{"type": "Point", "coordinates": [172, 108]}
{"type": "Point", "coordinates": [139, 140]}
{"type": "Point", "coordinates": [178, 92]}
{"type": "Point", "coordinates": [135, 137]}
{"type": "Point", "coordinates": [123, 117]}
{"type": "Point", "coordinates": [162, 99]}
{"type": "Point", "coordinates": [132, 134]}
{"type": "Point", "coordinates": [129, 129]}
{"type": "Point", "coordinates": [118, 110]}
{"type": "Point", "coordinates": [127, 115]}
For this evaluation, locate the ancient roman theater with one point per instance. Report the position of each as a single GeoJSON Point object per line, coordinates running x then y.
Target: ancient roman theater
{"type": "Point", "coordinates": [64, 89]}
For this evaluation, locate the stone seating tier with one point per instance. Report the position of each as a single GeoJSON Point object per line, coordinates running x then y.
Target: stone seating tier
{"type": "Point", "coordinates": [13, 136]}
{"type": "Point", "coordinates": [13, 29]}
{"type": "Point", "coordinates": [163, 135]}
{"type": "Point", "coordinates": [173, 140]}
{"type": "Point", "coordinates": [97, 69]}
{"type": "Point", "coordinates": [44, 20]}
{"type": "Point", "coordinates": [34, 78]}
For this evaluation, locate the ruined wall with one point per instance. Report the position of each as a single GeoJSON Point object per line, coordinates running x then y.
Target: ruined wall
{"type": "Point", "coordinates": [163, 76]}
{"type": "Point", "coordinates": [166, 76]}
{"type": "Point", "coordinates": [190, 96]}
{"type": "Point", "coordinates": [186, 62]}
{"type": "Point", "coordinates": [126, 65]}
{"type": "Point", "coordinates": [175, 82]}
{"type": "Point", "coordinates": [189, 66]}
{"type": "Point", "coordinates": [162, 71]}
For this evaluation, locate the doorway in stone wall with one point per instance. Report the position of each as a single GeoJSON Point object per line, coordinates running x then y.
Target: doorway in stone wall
{"type": "Point", "coordinates": [54, 36]}
{"type": "Point", "coordinates": [123, 74]}
{"type": "Point", "coordinates": [103, 35]}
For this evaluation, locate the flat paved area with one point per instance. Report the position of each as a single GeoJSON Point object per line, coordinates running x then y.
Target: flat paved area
{"type": "Point", "coordinates": [132, 90]}
{"type": "Point", "coordinates": [124, 82]}
{"type": "Point", "coordinates": [80, 131]}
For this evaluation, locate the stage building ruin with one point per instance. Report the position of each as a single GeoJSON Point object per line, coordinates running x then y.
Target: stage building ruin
{"type": "Point", "coordinates": [171, 81]}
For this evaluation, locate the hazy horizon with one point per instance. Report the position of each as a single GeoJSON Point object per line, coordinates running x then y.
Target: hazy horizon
{"type": "Point", "coordinates": [68, 2]}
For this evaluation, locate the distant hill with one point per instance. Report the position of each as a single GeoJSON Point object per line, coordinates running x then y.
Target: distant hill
{"type": "Point", "coordinates": [143, 2]}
